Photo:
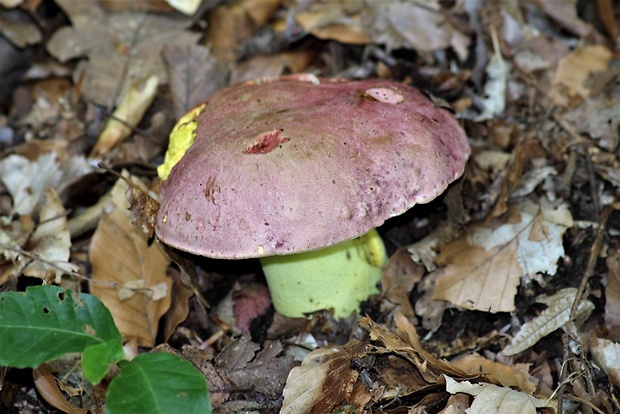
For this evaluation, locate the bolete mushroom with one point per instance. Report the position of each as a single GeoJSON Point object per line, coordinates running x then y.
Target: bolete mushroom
{"type": "Point", "coordinates": [298, 171]}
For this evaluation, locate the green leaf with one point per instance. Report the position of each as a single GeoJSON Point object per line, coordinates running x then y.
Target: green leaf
{"type": "Point", "coordinates": [158, 383]}
{"type": "Point", "coordinates": [96, 359]}
{"type": "Point", "coordinates": [46, 322]}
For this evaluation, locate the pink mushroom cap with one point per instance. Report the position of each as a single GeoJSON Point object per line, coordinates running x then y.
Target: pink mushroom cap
{"type": "Point", "coordinates": [298, 163]}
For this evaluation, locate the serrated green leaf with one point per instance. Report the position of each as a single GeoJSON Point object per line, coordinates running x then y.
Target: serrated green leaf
{"type": "Point", "coordinates": [158, 383]}
{"type": "Point", "coordinates": [46, 322]}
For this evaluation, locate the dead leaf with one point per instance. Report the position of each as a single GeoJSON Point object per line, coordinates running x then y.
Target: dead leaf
{"type": "Point", "coordinates": [50, 243]}
{"type": "Point", "coordinates": [554, 317]}
{"type": "Point", "coordinates": [490, 398]}
{"type": "Point", "coordinates": [231, 24]}
{"type": "Point", "coordinates": [126, 116]}
{"type": "Point", "coordinates": [612, 295]}
{"type": "Point", "coordinates": [123, 49]}
{"type": "Point", "coordinates": [27, 180]}
{"type": "Point", "coordinates": [47, 385]}
{"type": "Point", "coordinates": [253, 368]}
{"type": "Point", "coordinates": [509, 376]}
{"type": "Point", "coordinates": [398, 278]}
{"type": "Point", "coordinates": [120, 253]}
{"type": "Point", "coordinates": [262, 66]}
{"type": "Point", "coordinates": [335, 20]}
{"type": "Point", "coordinates": [568, 86]}
{"type": "Point", "coordinates": [179, 307]}
{"type": "Point", "coordinates": [41, 252]}
{"type": "Point", "coordinates": [324, 382]}
{"type": "Point", "coordinates": [20, 32]}
{"type": "Point", "coordinates": [606, 354]}
{"type": "Point", "coordinates": [194, 74]}
{"type": "Point", "coordinates": [484, 269]}
{"type": "Point", "coordinates": [417, 26]}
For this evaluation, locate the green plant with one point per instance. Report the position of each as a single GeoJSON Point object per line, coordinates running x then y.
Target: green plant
{"type": "Point", "coordinates": [47, 322]}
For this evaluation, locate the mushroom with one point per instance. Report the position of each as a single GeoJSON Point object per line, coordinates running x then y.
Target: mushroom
{"type": "Point", "coordinates": [299, 171]}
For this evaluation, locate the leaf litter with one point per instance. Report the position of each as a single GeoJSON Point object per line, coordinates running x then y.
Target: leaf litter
{"type": "Point", "coordinates": [479, 309]}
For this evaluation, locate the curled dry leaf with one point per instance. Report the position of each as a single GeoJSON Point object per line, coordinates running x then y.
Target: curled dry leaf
{"type": "Point", "coordinates": [509, 376]}
{"type": "Point", "coordinates": [120, 253]}
{"type": "Point", "coordinates": [47, 385]}
{"type": "Point", "coordinates": [554, 317]}
{"type": "Point", "coordinates": [483, 269]}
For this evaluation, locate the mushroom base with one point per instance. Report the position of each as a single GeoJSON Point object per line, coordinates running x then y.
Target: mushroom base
{"type": "Point", "coordinates": [337, 277]}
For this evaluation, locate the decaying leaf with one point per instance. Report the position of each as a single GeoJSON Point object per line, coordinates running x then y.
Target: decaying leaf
{"type": "Point", "coordinates": [490, 398]}
{"type": "Point", "coordinates": [554, 317]}
{"type": "Point", "coordinates": [41, 251]}
{"type": "Point", "coordinates": [606, 354]}
{"type": "Point", "coordinates": [250, 367]}
{"type": "Point", "coordinates": [106, 40]}
{"type": "Point", "coordinates": [120, 253]}
{"type": "Point", "coordinates": [398, 279]}
{"type": "Point", "coordinates": [324, 382]}
{"type": "Point", "coordinates": [483, 269]}
{"type": "Point", "coordinates": [47, 385]}
{"type": "Point", "coordinates": [50, 242]}
{"type": "Point", "coordinates": [194, 74]}
{"type": "Point", "coordinates": [27, 180]}
{"type": "Point", "coordinates": [568, 83]}
{"type": "Point", "coordinates": [516, 377]}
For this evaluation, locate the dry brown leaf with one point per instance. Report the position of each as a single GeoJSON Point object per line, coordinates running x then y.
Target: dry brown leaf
{"type": "Point", "coordinates": [231, 24]}
{"type": "Point", "coordinates": [398, 278]}
{"type": "Point", "coordinates": [122, 48]}
{"type": "Point", "coordinates": [335, 20]}
{"type": "Point", "coordinates": [19, 32]}
{"type": "Point", "coordinates": [508, 376]}
{"type": "Point", "coordinates": [120, 253]}
{"type": "Point", "coordinates": [261, 66]}
{"type": "Point", "coordinates": [598, 117]}
{"type": "Point", "coordinates": [127, 115]}
{"type": "Point", "coordinates": [484, 268]}
{"type": "Point", "coordinates": [179, 308]}
{"type": "Point", "coordinates": [47, 385]}
{"type": "Point", "coordinates": [325, 381]}
{"type": "Point", "coordinates": [194, 74]}
{"type": "Point", "coordinates": [568, 85]}
{"type": "Point", "coordinates": [250, 367]}
{"type": "Point", "coordinates": [415, 25]}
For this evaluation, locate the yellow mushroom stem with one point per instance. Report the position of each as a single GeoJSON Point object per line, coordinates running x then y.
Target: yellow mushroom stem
{"type": "Point", "coordinates": [338, 277]}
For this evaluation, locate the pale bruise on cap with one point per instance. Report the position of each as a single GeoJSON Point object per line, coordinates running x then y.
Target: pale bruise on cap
{"type": "Point", "coordinates": [298, 163]}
